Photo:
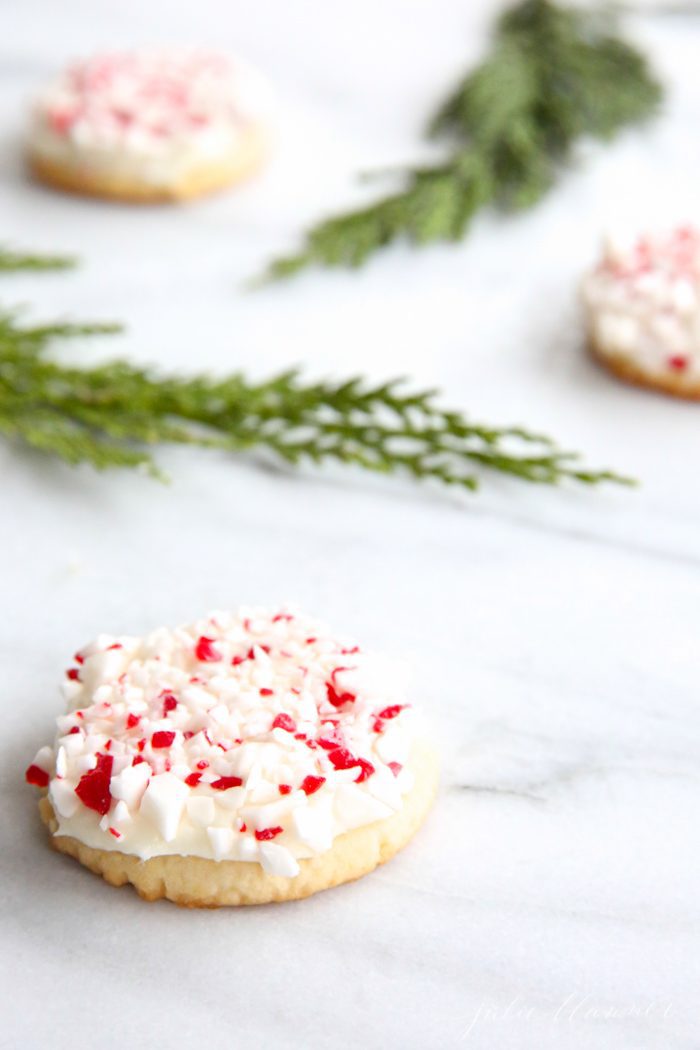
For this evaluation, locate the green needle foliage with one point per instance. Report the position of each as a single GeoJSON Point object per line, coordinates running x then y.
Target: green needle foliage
{"type": "Point", "coordinates": [13, 262]}
{"type": "Point", "coordinates": [554, 75]}
{"type": "Point", "coordinates": [111, 415]}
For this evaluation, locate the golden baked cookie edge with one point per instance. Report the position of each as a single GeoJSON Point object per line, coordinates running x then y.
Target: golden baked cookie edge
{"type": "Point", "coordinates": [242, 163]}
{"type": "Point", "coordinates": [623, 368]}
{"type": "Point", "coordinates": [197, 882]}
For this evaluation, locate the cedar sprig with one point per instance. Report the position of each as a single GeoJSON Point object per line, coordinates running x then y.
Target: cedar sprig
{"type": "Point", "coordinates": [14, 261]}
{"type": "Point", "coordinates": [553, 76]}
{"type": "Point", "coordinates": [114, 414]}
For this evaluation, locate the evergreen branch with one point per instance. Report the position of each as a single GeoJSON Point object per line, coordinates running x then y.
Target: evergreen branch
{"type": "Point", "coordinates": [12, 261]}
{"type": "Point", "coordinates": [553, 75]}
{"type": "Point", "coordinates": [113, 414]}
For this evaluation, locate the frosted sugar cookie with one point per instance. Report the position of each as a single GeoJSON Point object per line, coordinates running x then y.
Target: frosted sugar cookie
{"type": "Point", "coordinates": [244, 758]}
{"type": "Point", "coordinates": [643, 311]}
{"type": "Point", "coordinates": [149, 126]}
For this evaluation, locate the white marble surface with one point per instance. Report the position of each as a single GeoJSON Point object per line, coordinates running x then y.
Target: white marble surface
{"type": "Point", "coordinates": [552, 899]}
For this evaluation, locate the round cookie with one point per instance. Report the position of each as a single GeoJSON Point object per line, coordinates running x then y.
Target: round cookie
{"type": "Point", "coordinates": [149, 126]}
{"type": "Point", "coordinates": [642, 305]}
{"type": "Point", "coordinates": [243, 759]}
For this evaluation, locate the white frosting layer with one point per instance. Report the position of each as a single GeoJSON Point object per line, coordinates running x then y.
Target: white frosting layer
{"type": "Point", "coordinates": [249, 736]}
{"type": "Point", "coordinates": [643, 302]}
{"type": "Point", "coordinates": [153, 116]}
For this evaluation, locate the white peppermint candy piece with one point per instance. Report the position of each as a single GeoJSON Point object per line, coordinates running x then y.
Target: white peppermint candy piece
{"type": "Point", "coordinates": [201, 810]}
{"type": "Point", "coordinates": [384, 786]}
{"type": "Point", "coordinates": [221, 840]}
{"type": "Point", "coordinates": [103, 667]}
{"type": "Point", "coordinates": [272, 814]}
{"type": "Point", "coordinates": [163, 802]}
{"type": "Point", "coordinates": [44, 759]}
{"type": "Point", "coordinates": [276, 860]}
{"type": "Point", "coordinates": [392, 745]}
{"type": "Point", "coordinates": [61, 762]}
{"type": "Point", "coordinates": [121, 816]}
{"type": "Point", "coordinates": [247, 848]}
{"type": "Point", "coordinates": [313, 825]}
{"type": "Point", "coordinates": [355, 808]}
{"type": "Point", "coordinates": [63, 798]}
{"type": "Point", "coordinates": [130, 784]}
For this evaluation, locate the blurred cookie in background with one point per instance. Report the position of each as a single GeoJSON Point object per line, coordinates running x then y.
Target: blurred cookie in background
{"type": "Point", "coordinates": [149, 126]}
{"type": "Point", "coordinates": [642, 304]}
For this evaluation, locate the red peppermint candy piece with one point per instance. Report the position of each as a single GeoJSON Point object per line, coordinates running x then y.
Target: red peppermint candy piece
{"type": "Point", "coordinates": [395, 767]}
{"type": "Point", "coordinates": [132, 721]}
{"type": "Point", "coordinates": [391, 712]}
{"type": "Point", "coordinates": [193, 779]}
{"type": "Point", "coordinates": [336, 698]}
{"type": "Point", "coordinates": [72, 674]}
{"type": "Point", "coordinates": [334, 693]}
{"type": "Point", "coordinates": [224, 783]}
{"type": "Point", "coordinates": [169, 702]}
{"type": "Point", "coordinates": [284, 789]}
{"type": "Point", "coordinates": [678, 363]}
{"type": "Point", "coordinates": [93, 787]}
{"type": "Point", "coordinates": [62, 120]}
{"type": "Point", "coordinates": [206, 651]}
{"type": "Point", "coordinates": [285, 722]}
{"type": "Point", "coordinates": [332, 737]}
{"type": "Point", "coordinates": [162, 738]}
{"type": "Point", "coordinates": [311, 784]}
{"type": "Point", "coordinates": [341, 758]}
{"type": "Point", "coordinates": [37, 776]}
{"type": "Point", "coordinates": [265, 834]}
{"type": "Point", "coordinates": [344, 759]}
{"type": "Point", "coordinates": [366, 770]}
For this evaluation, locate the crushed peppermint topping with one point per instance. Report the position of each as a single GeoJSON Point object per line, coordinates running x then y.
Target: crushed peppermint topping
{"type": "Point", "coordinates": [226, 783]}
{"type": "Point", "coordinates": [163, 738]}
{"type": "Point", "coordinates": [643, 302]}
{"type": "Point", "coordinates": [93, 788]}
{"type": "Point", "coordinates": [391, 712]}
{"type": "Point", "coordinates": [38, 777]}
{"type": "Point", "coordinates": [215, 737]}
{"type": "Point", "coordinates": [146, 100]}
{"type": "Point", "coordinates": [283, 721]}
{"type": "Point", "coordinates": [169, 703]}
{"type": "Point", "coordinates": [265, 834]}
{"type": "Point", "coordinates": [311, 784]}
